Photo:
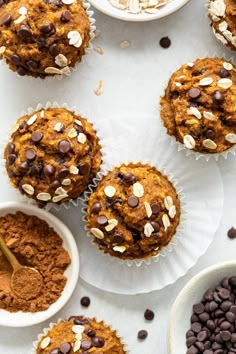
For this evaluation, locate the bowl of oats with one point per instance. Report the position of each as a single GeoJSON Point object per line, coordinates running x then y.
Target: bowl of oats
{"type": "Point", "coordinates": [138, 10]}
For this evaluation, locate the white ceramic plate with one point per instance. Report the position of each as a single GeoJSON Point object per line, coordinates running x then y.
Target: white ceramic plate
{"type": "Point", "coordinates": [23, 319]}
{"type": "Point", "coordinates": [192, 293]}
{"type": "Point", "coordinates": [105, 7]}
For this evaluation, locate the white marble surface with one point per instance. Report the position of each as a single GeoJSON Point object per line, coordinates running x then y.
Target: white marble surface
{"type": "Point", "coordinates": [134, 78]}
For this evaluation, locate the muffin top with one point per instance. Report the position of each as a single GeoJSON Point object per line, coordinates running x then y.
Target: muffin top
{"type": "Point", "coordinates": [198, 107]}
{"type": "Point", "coordinates": [52, 155]}
{"type": "Point", "coordinates": [222, 13]}
{"type": "Point", "coordinates": [80, 335]}
{"type": "Point", "coordinates": [43, 37]}
{"type": "Point", "coordinates": [133, 212]}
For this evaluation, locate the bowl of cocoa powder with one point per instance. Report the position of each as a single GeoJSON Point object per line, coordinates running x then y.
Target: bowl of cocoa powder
{"type": "Point", "coordinates": [40, 240]}
{"type": "Point", "coordinates": [203, 317]}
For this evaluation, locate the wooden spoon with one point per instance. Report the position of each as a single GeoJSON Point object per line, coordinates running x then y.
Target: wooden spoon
{"type": "Point", "coordinates": [26, 282]}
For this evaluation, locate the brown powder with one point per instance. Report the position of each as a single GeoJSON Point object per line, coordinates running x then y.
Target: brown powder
{"type": "Point", "coordinates": [37, 245]}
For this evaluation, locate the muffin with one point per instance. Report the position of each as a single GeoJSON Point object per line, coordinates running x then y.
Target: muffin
{"type": "Point", "coordinates": [52, 155]}
{"type": "Point", "coordinates": [198, 107]}
{"type": "Point", "coordinates": [43, 37]}
{"type": "Point", "coordinates": [222, 14]}
{"type": "Point", "coordinates": [79, 335]}
{"type": "Point", "coordinates": [133, 212]}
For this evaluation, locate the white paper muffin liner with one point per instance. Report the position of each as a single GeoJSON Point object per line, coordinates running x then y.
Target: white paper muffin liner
{"type": "Point", "coordinates": [48, 206]}
{"type": "Point", "coordinates": [52, 324]}
{"type": "Point", "coordinates": [179, 230]}
{"type": "Point", "coordinates": [180, 146]}
{"type": "Point", "coordinates": [88, 50]}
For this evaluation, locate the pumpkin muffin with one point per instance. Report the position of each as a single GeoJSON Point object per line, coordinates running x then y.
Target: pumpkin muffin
{"type": "Point", "coordinates": [198, 107]}
{"type": "Point", "coordinates": [79, 335]}
{"type": "Point", "coordinates": [43, 37]}
{"type": "Point", "coordinates": [52, 155]}
{"type": "Point", "coordinates": [133, 212]}
{"type": "Point", "coordinates": [222, 14]}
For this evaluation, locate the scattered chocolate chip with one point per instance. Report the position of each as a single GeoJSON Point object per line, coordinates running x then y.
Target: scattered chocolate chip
{"type": "Point", "coordinates": [194, 92]}
{"type": "Point", "coordinates": [11, 148]}
{"type": "Point", "coordinates": [84, 168]}
{"type": "Point", "coordinates": [85, 301]}
{"type": "Point", "coordinates": [55, 184]}
{"type": "Point", "coordinates": [49, 170]}
{"type": "Point", "coordinates": [30, 155]}
{"type": "Point", "coordinates": [11, 158]}
{"type": "Point", "coordinates": [66, 16]}
{"type": "Point", "coordinates": [232, 233]}
{"type": "Point", "coordinates": [129, 178]}
{"type": "Point", "coordinates": [64, 146]}
{"type": "Point", "coordinates": [91, 333]}
{"type": "Point", "coordinates": [63, 172]}
{"type": "Point", "coordinates": [98, 342]}
{"type": "Point", "coordinates": [210, 134]}
{"type": "Point", "coordinates": [5, 20]}
{"type": "Point", "coordinates": [218, 97]}
{"type": "Point", "coordinates": [142, 334]}
{"type": "Point", "coordinates": [86, 345]}
{"type": "Point", "coordinates": [42, 44]}
{"type": "Point", "coordinates": [54, 49]}
{"type": "Point", "coordinates": [156, 226]}
{"type": "Point", "coordinates": [24, 32]}
{"type": "Point", "coordinates": [78, 128]}
{"type": "Point", "coordinates": [102, 220]}
{"type": "Point", "coordinates": [96, 208]}
{"type": "Point", "coordinates": [136, 234]}
{"type": "Point", "coordinates": [65, 348]}
{"type": "Point", "coordinates": [117, 238]}
{"type": "Point", "coordinates": [149, 315]}
{"type": "Point", "coordinates": [21, 71]}
{"type": "Point", "coordinates": [32, 65]}
{"type": "Point", "coordinates": [156, 208]}
{"type": "Point", "coordinates": [165, 42]}
{"type": "Point", "coordinates": [37, 136]}
{"type": "Point", "coordinates": [46, 28]}
{"type": "Point", "coordinates": [80, 320]}
{"type": "Point", "coordinates": [133, 201]}
{"type": "Point", "coordinates": [15, 59]}
{"type": "Point", "coordinates": [23, 167]}
{"type": "Point", "coordinates": [173, 95]}
{"type": "Point", "coordinates": [223, 73]}
{"type": "Point", "coordinates": [36, 169]}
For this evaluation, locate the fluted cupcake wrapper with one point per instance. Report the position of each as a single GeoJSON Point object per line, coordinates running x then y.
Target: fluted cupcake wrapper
{"type": "Point", "coordinates": [52, 324]}
{"type": "Point", "coordinates": [5, 140]}
{"type": "Point", "coordinates": [180, 146]}
{"type": "Point", "coordinates": [179, 230]}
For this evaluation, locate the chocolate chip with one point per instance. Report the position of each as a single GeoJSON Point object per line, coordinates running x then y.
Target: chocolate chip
{"type": "Point", "coordinates": [224, 293]}
{"type": "Point", "coordinates": [5, 20]}
{"type": "Point", "coordinates": [102, 220]}
{"type": "Point", "coordinates": [194, 92]}
{"type": "Point", "coordinates": [15, 59]}
{"type": "Point", "coordinates": [66, 16]}
{"type": "Point", "coordinates": [149, 315]}
{"type": "Point", "coordinates": [198, 308]}
{"type": "Point", "coordinates": [190, 341]}
{"type": "Point", "coordinates": [55, 184]}
{"type": "Point", "coordinates": [210, 134]}
{"type": "Point", "coordinates": [84, 168]}
{"type": "Point", "coordinates": [32, 65]}
{"type": "Point", "coordinates": [24, 32]}
{"type": "Point", "coordinates": [133, 201]}
{"type": "Point", "coordinates": [91, 333]}
{"type": "Point", "coordinates": [54, 49]}
{"type": "Point", "coordinates": [129, 178]}
{"type": "Point", "coordinates": [142, 334]}
{"type": "Point", "coordinates": [232, 233]}
{"type": "Point", "coordinates": [37, 136]}
{"type": "Point", "coordinates": [117, 238]}
{"type": "Point", "coordinates": [65, 348]}
{"type": "Point", "coordinates": [85, 301]}
{"type": "Point", "coordinates": [49, 170]}
{"type": "Point", "coordinates": [136, 235]}
{"type": "Point", "coordinates": [225, 335]}
{"type": "Point", "coordinates": [165, 42]}
{"type": "Point", "coordinates": [11, 148]}
{"type": "Point", "coordinates": [173, 95]}
{"type": "Point", "coordinates": [36, 169]}
{"type": "Point", "coordinates": [196, 327]}
{"type": "Point", "coordinates": [86, 345]}
{"type": "Point", "coordinates": [23, 167]}
{"type": "Point", "coordinates": [64, 146]}
{"type": "Point", "coordinates": [30, 155]}
{"type": "Point", "coordinates": [63, 172]}
{"type": "Point", "coordinates": [46, 28]}
{"type": "Point", "coordinates": [98, 342]}
{"type": "Point", "coordinates": [218, 97]}
{"type": "Point", "coordinates": [78, 128]}
{"type": "Point", "coordinates": [232, 281]}
{"type": "Point", "coordinates": [21, 71]}
{"type": "Point", "coordinates": [156, 226]}
{"type": "Point", "coordinates": [223, 73]}
{"type": "Point", "coordinates": [42, 44]}
{"type": "Point", "coordinates": [11, 158]}
{"type": "Point", "coordinates": [156, 208]}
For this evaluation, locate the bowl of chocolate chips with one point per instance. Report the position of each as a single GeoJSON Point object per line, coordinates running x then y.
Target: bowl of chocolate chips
{"type": "Point", "coordinates": [203, 317]}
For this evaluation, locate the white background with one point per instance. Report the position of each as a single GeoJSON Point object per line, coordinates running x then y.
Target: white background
{"type": "Point", "coordinates": [134, 79]}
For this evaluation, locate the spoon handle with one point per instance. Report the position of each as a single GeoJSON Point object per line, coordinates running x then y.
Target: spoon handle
{"type": "Point", "coordinates": [9, 255]}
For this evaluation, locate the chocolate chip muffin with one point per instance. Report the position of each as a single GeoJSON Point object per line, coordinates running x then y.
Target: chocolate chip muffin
{"type": "Point", "coordinates": [52, 155]}
{"type": "Point", "coordinates": [198, 107]}
{"type": "Point", "coordinates": [43, 37]}
{"type": "Point", "coordinates": [222, 14]}
{"type": "Point", "coordinates": [133, 212]}
{"type": "Point", "coordinates": [79, 335]}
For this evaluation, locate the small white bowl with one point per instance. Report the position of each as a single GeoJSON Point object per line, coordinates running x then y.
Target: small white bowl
{"type": "Point", "coordinates": [23, 319]}
{"type": "Point", "coordinates": [105, 7]}
{"type": "Point", "coordinates": [192, 293]}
